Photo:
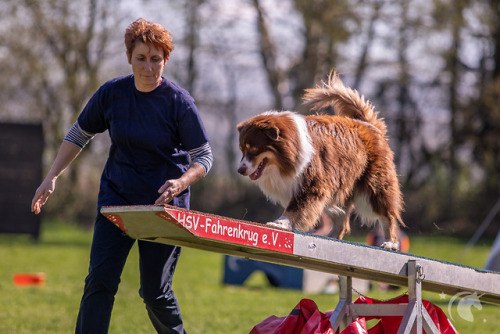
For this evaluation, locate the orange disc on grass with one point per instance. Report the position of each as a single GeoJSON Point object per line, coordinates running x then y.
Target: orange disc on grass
{"type": "Point", "coordinates": [29, 279]}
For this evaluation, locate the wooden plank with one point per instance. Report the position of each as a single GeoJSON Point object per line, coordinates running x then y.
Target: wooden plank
{"type": "Point", "coordinates": [260, 242]}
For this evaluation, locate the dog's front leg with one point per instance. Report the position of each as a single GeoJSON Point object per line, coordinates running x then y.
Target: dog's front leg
{"type": "Point", "coordinates": [281, 222]}
{"type": "Point", "coordinates": [302, 213]}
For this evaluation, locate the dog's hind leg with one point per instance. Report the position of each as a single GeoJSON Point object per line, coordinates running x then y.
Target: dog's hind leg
{"type": "Point", "coordinates": [345, 222]}
{"type": "Point", "coordinates": [389, 225]}
{"type": "Point", "coordinates": [341, 221]}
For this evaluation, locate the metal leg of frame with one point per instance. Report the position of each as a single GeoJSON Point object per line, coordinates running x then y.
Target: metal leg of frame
{"type": "Point", "coordinates": [415, 316]}
{"type": "Point", "coordinates": [341, 315]}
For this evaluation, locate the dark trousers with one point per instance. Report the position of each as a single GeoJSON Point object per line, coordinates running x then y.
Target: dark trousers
{"type": "Point", "coordinates": [110, 248]}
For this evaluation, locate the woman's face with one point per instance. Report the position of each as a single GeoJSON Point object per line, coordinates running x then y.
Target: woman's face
{"type": "Point", "coordinates": [147, 65]}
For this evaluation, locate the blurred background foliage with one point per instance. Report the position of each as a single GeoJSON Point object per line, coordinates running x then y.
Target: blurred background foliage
{"type": "Point", "coordinates": [431, 67]}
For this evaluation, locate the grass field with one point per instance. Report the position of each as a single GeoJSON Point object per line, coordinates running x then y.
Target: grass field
{"type": "Point", "coordinates": [207, 305]}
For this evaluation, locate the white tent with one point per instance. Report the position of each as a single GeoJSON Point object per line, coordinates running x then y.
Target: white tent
{"type": "Point", "coordinates": [493, 262]}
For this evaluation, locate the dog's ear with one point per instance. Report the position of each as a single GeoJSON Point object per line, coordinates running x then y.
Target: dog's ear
{"type": "Point", "coordinates": [242, 127]}
{"type": "Point", "coordinates": [273, 132]}
{"type": "Point", "coordinates": [270, 130]}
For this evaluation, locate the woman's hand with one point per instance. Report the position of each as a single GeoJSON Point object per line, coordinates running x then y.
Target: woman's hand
{"type": "Point", "coordinates": [174, 187]}
{"type": "Point", "coordinates": [169, 190]}
{"type": "Point", "coordinates": [42, 194]}
{"type": "Point", "coordinates": [67, 153]}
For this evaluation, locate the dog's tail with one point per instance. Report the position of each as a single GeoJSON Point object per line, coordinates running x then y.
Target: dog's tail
{"type": "Point", "coordinates": [346, 101]}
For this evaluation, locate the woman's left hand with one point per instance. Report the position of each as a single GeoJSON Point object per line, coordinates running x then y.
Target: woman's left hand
{"type": "Point", "coordinates": [169, 190]}
{"type": "Point", "coordinates": [174, 187]}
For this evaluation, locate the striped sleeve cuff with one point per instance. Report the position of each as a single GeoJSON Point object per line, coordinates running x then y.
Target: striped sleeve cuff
{"type": "Point", "coordinates": [203, 156]}
{"type": "Point", "coordinates": [77, 136]}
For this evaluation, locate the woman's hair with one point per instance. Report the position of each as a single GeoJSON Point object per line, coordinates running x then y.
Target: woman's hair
{"type": "Point", "coordinates": [148, 32]}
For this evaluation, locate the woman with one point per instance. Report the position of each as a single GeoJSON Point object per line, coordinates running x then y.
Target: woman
{"type": "Point", "coordinates": [159, 148]}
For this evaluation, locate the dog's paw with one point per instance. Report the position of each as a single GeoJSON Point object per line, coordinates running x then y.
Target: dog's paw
{"type": "Point", "coordinates": [281, 222]}
{"type": "Point", "coordinates": [390, 245]}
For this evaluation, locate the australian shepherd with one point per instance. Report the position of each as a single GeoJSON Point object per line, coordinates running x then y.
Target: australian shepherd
{"type": "Point", "coordinates": [334, 163]}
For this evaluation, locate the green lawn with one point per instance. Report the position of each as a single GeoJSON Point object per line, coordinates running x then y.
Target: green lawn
{"type": "Point", "coordinates": [207, 305]}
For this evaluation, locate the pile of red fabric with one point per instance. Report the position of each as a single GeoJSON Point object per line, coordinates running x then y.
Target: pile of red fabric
{"type": "Point", "coordinates": [305, 318]}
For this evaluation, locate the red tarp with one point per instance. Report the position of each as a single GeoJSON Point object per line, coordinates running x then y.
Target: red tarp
{"type": "Point", "coordinates": [305, 318]}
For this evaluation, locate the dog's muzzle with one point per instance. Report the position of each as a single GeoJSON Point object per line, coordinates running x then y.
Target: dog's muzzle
{"type": "Point", "coordinates": [242, 170]}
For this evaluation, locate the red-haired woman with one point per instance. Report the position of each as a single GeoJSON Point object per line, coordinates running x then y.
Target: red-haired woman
{"type": "Point", "coordinates": [159, 147]}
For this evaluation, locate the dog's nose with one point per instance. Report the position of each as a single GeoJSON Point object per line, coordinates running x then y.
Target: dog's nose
{"type": "Point", "coordinates": [242, 170]}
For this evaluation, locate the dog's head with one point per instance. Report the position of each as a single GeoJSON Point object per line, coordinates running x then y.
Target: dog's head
{"type": "Point", "coordinates": [267, 143]}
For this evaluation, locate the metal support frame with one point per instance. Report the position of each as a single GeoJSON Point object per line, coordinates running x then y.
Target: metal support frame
{"type": "Point", "coordinates": [188, 228]}
{"type": "Point", "coordinates": [415, 316]}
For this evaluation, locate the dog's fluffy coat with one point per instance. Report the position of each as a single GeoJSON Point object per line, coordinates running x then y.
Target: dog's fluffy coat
{"type": "Point", "coordinates": [339, 163]}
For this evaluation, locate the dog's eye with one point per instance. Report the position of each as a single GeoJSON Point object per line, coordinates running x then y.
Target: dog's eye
{"type": "Point", "coordinates": [252, 151]}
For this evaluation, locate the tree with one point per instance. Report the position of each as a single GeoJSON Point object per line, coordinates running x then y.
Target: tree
{"type": "Point", "coordinates": [55, 53]}
{"type": "Point", "coordinates": [483, 118]}
{"type": "Point", "coordinates": [323, 29]}
{"type": "Point", "coordinates": [472, 154]}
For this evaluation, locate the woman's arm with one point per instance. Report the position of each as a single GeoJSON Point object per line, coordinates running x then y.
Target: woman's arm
{"type": "Point", "coordinates": [172, 188]}
{"type": "Point", "coordinates": [201, 162]}
{"type": "Point", "coordinates": [67, 153]}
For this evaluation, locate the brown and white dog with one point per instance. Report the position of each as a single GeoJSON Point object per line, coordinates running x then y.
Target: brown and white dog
{"type": "Point", "coordinates": [338, 164]}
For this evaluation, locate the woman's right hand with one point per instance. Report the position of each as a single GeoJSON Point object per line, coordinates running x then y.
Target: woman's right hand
{"type": "Point", "coordinates": [42, 194]}
{"type": "Point", "coordinates": [67, 153]}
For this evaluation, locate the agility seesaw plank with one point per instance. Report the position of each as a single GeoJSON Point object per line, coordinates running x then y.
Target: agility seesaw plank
{"type": "Point", "coordinates": [172, 225]}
